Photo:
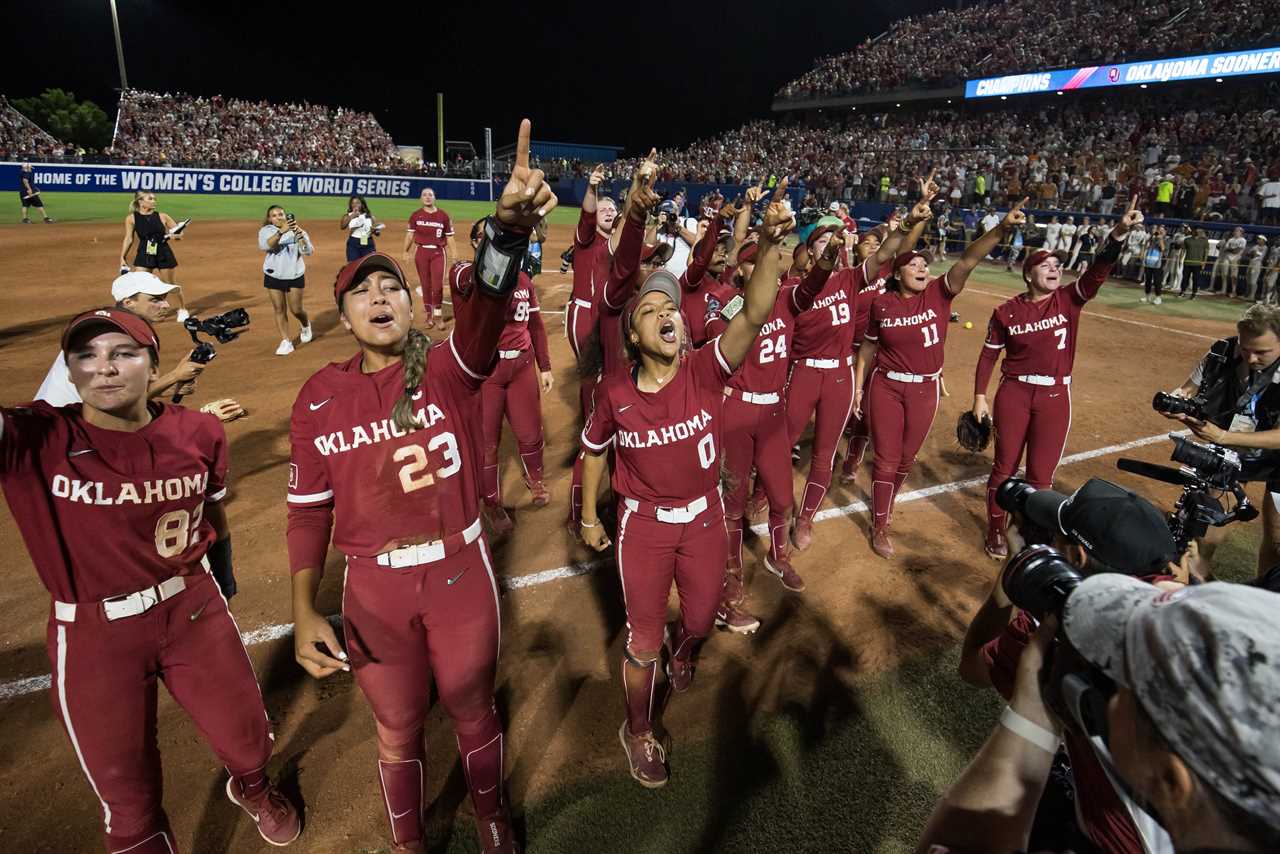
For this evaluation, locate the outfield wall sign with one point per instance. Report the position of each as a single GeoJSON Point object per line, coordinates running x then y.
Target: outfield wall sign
{"type": "Point", "coordinates": [1210, 65]}
{"type": "Point", "coordinates": [68, 177]}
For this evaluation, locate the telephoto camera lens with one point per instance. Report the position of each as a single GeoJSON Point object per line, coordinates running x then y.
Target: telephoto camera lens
{"type": "Point", "coordinates": [1172, 404]}
{"type": "Point", "coordinates": [1039, 580]}
{"type": "Point", "coordinates": [1013, 493]}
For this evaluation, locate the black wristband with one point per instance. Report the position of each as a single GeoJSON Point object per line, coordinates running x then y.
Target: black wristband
{"type": "Point", "coordinates": [498, 258]}
{"type": "Point", "coordinates": [220, 567]}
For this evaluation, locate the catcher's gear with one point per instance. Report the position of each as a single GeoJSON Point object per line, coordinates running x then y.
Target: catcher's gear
{"type": "Point", "coordinates": [972, 434]}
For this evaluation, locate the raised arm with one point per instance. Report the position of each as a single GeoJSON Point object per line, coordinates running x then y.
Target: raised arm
{"type": "Point", "coordinates": [482, 290]}
{"type": "Point", "coordinates": [703, 249]}
{"type": "Point", "coordinates": [762, 289]}
{"type": "Point", "coordinates": [907, 234]}
{"type": "Point", "coordinates": [742, 222]}
{"type": "Point", "coordinates": [1088, 285]}
{"type": "Point", "coordinates": [981, 248]}
{"type": "Point", "coordinates": [641, 199]}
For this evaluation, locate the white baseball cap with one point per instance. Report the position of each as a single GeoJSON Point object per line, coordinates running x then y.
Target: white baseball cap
{"type": "Point", "coordinates": [139, 282]}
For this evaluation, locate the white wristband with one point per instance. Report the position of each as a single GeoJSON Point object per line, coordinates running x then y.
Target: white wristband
{"type": "Point", "coordinates": [1029, 731]}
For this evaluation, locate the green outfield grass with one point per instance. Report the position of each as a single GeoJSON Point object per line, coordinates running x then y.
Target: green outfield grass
{"type": "Point", "coordinates": [98, 207]}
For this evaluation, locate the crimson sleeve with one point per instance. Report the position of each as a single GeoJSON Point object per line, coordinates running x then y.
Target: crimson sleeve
{"type": "Point", "coordinates": [538, 332]}
{"type": "Point", "coordinates": [990, 353]}
{"type": "Point", "coordinates": [810, 286]}
{"type": "Point", "coordinates": [599, 432]}
{"type": "Point", "coordinates": [448, 226]}
{"type": "Point", "coordinates": [1001, 656]}
{"type": "Point", "coordinates": [216, 489]}
{"type": "Point", "coordinates": [479, 318]}
{"type": "Point", "coordinates": [586, 230]}
{"type": "Point", "coordinates": [310, 495]}
{"type": "Point", "coordinates": [621, 283]}
{"type": "Point", "coordinates": [701, 257]}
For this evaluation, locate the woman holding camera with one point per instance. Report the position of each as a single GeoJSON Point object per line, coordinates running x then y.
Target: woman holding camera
{"type": "Point", "coordinates": [386, 457]}
{"type": "Point", "coordinates": [901, 359]}
{"type": "Point", "coordinates": [153, 230]}
{"type": "Point", "coordinates": [361, 225]}
{"type": "Point", "coordinates": [284, 272]}
{"type": "Point", "coordinates": [1037, 330]}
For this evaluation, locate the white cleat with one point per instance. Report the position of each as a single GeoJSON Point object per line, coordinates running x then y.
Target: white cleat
{"type": "Point", "coordinates": [285, 348]}
{"type": "Point", "coordinates": [306, 336]}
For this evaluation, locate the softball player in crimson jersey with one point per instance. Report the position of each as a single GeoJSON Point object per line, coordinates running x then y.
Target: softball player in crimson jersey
{"type": "Point", "coordinates": [901, 359]}
{"type": "Point", "coordinates": [387, 456]}
{"type": "Point", "coordinates": [432, 230]}
{"type": "Point", "coordinates": [756, 426]}
{"type": "Point", "coordinates": [592, 254]}
{"type": "Point", "coordinates": [664, 418]}
{"type": "Point", "coordinates": [1037, 331]}
{"type": "Point", "coordinates": [871, 283]}
{"type": "Point", "coordinates": [118, 501]}
{"type": "Point", "coordinates": [513, 390]}
{"type": "Point", "coordinates": [821, 376]}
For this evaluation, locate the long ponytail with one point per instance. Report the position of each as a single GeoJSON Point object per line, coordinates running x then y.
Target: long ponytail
{"type": "Point", "coordinates": [414, 360]}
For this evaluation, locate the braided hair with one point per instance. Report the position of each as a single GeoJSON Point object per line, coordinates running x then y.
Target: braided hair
{"type": "Point", "coordinates": [414, 359]}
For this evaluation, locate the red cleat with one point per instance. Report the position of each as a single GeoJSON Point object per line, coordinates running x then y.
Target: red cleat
{"type": "Point", "coordinates": [277, 819]}
{"type": "Point", "coordinates": [880, 542]}
{"type": "Point", "coordinates": [495, 834]}
{"type": "Point", "coordinates": [499, 521]}
{"type": "Point", "coordinates": [789, 577]}
{"type": "Point", "coordinates": [996, 547]}
{"type": "Point", "coordinates": [646, 757]}
{"type": "Point", "coordinates": [734, 619]}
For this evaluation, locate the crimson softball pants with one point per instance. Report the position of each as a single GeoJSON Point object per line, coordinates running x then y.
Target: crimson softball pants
{"type": "Point", "coordinates": [403, 628]}
{"type": "Point", "coordinates": [104, 676]}
{"type": "Point", "coordinates": [511, 390]}
{"type": "Point", "coordinates": [826, 393]}
{"type": "Point", "coordinates": [651, 555]}
{"type": "Point", "coordinates": [756, 435]}
{"type": "Point", "coordinates": [1031, 418]}
{"type": "Point", "coordinates": [430, 264]}
{"type": "Point", "coordinates": [901, 415]}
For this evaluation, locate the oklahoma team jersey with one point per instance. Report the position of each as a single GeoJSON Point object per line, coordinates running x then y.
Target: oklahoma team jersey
{"type": "Point", "coordinates": [106, 512]}
{"type": "Point", "coordinates": [387, 488]}
{"type": "Point", "coordinates": [698, 304]}
{"type": "Point", "coordinates": [430, 228]}
{"type": "Point", "coordinates": [591, 258]}
{"type": "Point", "coordinates": [765, 368]}
{"type": "Point", "coordinates": [524, 327]}
{"type": "Point", "coordinates": [868, 290]}
{"type": "Point", "coordinates": [826, 331]}
{"type": "Point", "coordinates": [1039, 338]}
{"type": "Point", "coordinates": [911, 330]}
{"type": "Point", "coordinates": [667, 444]}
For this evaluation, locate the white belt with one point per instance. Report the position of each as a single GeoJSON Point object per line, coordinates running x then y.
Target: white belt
{"type": "Point", "coordinates": [672, 515]}
{"type": "Point", "coordinates": [582, 303]}
{"type": "Point", "coordinates": [752, 397]}
{"type": "Point", "coordinates": [911, 378]}
{"type": "Point", "coordinates": [427, 246]}
{"type": "Point", "coordinates": [128, 605]}
{"type": "Point", "coordinates": [828, 363]}
{"type": "Point", "coordinates": [1037, 379]}
{"type": "Point", "coordinates": [510, 354]}
{"type": "Point", "coordinates": [424, 552]}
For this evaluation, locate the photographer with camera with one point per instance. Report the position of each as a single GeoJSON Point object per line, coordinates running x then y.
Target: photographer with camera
{"type": "Point", "coordinates": [146, 296]}
{"type": "Point", "coordinates": [1232, 401]}
{"type": "Point", "coordinates": [676, 231]}
{"type": "Point", "coordinates": [1102, 528]}
{"type": "Point", "coordinates": [1177, 692]}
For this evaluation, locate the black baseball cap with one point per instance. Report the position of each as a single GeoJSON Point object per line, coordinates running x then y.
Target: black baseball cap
{"type": "Point", "coordinates": [1117, 527]}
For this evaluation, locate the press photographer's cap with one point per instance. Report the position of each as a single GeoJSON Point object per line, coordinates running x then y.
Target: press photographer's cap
{"type": "Point", "coordinates": [1204, 662]}
{"type": "Point", "coordinates": [356, 271]}
{"type": "Point", "coordinates": [119, 319]}
{"type": "Point", "coordinates": [1120, 528]}
{"type": "Point", "coordinates": [139, 282]}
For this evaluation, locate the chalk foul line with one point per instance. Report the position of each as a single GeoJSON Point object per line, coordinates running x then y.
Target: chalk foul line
{"type": "Point", "coordinates": [267, 634]}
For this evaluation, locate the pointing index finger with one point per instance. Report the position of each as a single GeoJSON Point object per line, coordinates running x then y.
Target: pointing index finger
{"type": "Point", "coordinates": [522, 144]}
{"type": "Point", "coordinates": [780, 192]}
{"type": "Point", "coordinates": [1133, 203]}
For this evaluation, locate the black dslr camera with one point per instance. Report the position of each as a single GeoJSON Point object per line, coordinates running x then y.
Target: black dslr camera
{"type": "Point", "coordinates": [1207, 474]}
{"type": "Point", "coordinates": [1172, 404]}
{"type": "Point", "coordinates": [1197, 407]}
{"type": "Point", "coordinates": [223, 327]}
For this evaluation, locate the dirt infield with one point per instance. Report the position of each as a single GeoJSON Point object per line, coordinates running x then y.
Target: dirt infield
{"type": "Point", "coordinates": [563, 614]}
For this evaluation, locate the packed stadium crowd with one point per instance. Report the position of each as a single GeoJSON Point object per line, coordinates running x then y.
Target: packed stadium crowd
{"type": "Point", "coordinates": [22, 139]}
{"type": "Point", "coordinates": [988, 39]}
{"type": "Point", "coordinates": [1074, 156]}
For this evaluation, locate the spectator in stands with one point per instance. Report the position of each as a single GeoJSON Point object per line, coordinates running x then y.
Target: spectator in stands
{"type": "Point", "coordinates": [1269, 193]}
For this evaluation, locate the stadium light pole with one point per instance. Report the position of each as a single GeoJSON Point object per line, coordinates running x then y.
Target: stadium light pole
{"type": "Point", "coordinates": [115, 23]}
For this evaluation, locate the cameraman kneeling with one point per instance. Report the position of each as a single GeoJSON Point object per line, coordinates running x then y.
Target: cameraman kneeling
{"type": "Point", "coordinates": [1180, 693]}
{"type": "Point", "coordinates": [1235, 403]}
{"type": "Point", "coordinates": [1102, 528]}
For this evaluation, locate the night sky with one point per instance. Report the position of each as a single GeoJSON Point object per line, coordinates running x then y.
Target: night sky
{"type": "Point", "coordinates": [608, 73]}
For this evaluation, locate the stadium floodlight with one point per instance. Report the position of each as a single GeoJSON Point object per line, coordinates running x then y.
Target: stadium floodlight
{"type": "Point", "coordinates": [115, 24]}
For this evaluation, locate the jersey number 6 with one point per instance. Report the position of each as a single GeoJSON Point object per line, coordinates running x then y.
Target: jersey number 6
{"type": "Point", "coordinates": [413, 475]}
